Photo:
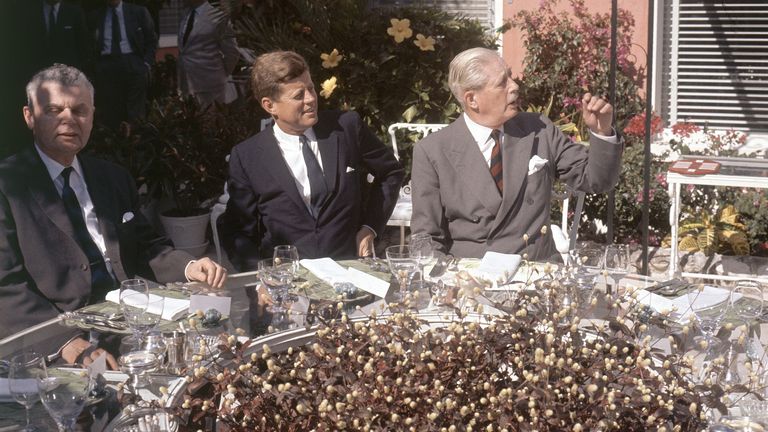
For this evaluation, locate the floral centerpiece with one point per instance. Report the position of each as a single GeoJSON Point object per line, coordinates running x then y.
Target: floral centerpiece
{"type": "Point", "coordinates": [533, 364]}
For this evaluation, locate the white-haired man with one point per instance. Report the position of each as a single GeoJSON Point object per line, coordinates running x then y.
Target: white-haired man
{"type": "Point", "coordinates": [484, 183]}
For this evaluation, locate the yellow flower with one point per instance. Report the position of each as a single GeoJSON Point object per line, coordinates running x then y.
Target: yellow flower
{"type": "Point", "coordinates": [400, 30]}
{"type": "Point", "coordinates": [331, 60]}
{"type": "Point", "coordinates": [328, 86]}
{"type": "Point", "coordinates": [425, 43]}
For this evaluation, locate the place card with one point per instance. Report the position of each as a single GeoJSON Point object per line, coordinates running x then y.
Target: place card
{"type": "Point", "coordinates": [368, 283]}
{"type": "Point", "coordinates": [205, 302]}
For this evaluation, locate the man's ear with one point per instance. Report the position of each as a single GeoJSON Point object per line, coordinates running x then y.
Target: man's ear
{"type": "Point", "coordinates": [268, 105]}
{"type": "Point", "coordinates": [470, 100]}
{"type": "Point", "coordinates": [28, 117]}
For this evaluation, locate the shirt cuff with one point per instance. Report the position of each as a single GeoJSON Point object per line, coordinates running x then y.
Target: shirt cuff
{"type": "Point", "coordinates": [185, 270]}
{"type": "Point", "coordinates": [613, 139]}
{"type": "Point", "coordinates": [372, 230]}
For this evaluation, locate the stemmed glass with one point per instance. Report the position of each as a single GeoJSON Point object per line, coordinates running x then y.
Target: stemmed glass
{"type": "Point", "coordinates": [403, 265]}
{"type": "Point", "coordinates": [709, 315]}
{"type": "Point", "coordinates": [26, 370]}
{"type": "Point", "coordinates": [277, 279]}
{"type": "Point", "coordinates": [142, 310]}
{"type": "Point", "coordinates": [616, 262]}
{"type": "Point", "coordinates": [64, 394]}
{"type": "Point", "coordinates": [423, 250]}
{"type": "Point", "coordinates": [747, 304]}
{"type": "Point", "coordinates": [288, 256]}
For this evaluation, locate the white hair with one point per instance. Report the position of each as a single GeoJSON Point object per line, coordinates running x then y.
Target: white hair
{"type": "Point", "coordinates": [61, 74]}
{"type": "Point", "coordinates": [468, 71]}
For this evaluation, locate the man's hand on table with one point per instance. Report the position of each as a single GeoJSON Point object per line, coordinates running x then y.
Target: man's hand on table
{"type": "Point", "coordinates": [365, 242]}
{"type": "Point", "coordinates": [80, 351]}
{"type": "Point", "coordinates": [208, 271]}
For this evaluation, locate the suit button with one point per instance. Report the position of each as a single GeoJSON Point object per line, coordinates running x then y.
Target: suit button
{"type": "Point", "coordinates": [83, 267]}
{"type": "Point", "coordinates": [476, 219]}
{"type": "Point", "coordinates": [529, 201]}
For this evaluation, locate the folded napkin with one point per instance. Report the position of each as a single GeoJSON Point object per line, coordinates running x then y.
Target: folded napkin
{"type": "Point", "coordinates": [497, 267]}
{"type": "Point", "coordinates": [29, 386]}
{"type": "Point", "coordinates": [172, 308]}
{"type": "Point", "coordinates": [679, 308]}
{"type": "Point", "coordinates": [331, 272]}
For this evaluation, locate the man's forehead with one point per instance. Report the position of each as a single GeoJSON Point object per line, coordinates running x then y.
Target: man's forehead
{"type": "Point", "coordinates": [52, 90]}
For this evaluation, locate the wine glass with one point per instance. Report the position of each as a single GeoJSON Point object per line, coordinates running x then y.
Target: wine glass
{"type": "Point", "coordinates": [403, 265]}
{"type": "Point", "coordinates": [708, 313]}
{"type": "Point", "coordinates": [277, 279]}
{"type": "Point", "coordinates": [747, 304]}
{"type": "Point", "coordinates": [25, 371]}
{"type": "Point", "coordinates": [423, 250]}
{"type": "Point", "coordinates": [131, 287]}
{"type": "Point", "coordinates": [616, 262]}
{"type": "Point", "coordinates": [64, 393]}
{"type": "Point", "coordinates": [287, 255]}
{"type": "Point", "coordinates": [142, 313]}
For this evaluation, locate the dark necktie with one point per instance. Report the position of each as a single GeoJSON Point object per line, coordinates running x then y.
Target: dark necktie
{"type": "Point", "coordinates": [116, 37]}
{"type": "Point", "coordinates": [101, 280]}
{"type": "Point", "coordinates": [51, 21]}
{"type": "Point", "coordinates": [188, 28]}
{"type": "Point", "coordinates": [496, 171]}
{"type": "Point", "coordinates": [317, 185]}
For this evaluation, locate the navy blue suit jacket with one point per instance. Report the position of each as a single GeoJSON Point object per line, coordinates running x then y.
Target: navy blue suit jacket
{"type": "Point", "coordinates": [265, 208]}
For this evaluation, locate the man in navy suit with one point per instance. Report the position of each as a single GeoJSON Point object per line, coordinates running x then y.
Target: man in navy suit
{"type": "Point", "coordinates": [300, 182]}
{"type": "Point", "coordinates": [70, 225]}
{"type": "Point", "coordinates": [126, 43]}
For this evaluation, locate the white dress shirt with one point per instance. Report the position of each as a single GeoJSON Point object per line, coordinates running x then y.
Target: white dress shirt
{"type": "Point", "coordinates": [46, 13]}
{"type": "Point", "coordinates": [290, 147]}
{"type": "Point", "coordinates": [482, 136]}
{"type": "Point", "coordinates": [77, 183]}
{"type": "Point", "coordinates": [125, 46]}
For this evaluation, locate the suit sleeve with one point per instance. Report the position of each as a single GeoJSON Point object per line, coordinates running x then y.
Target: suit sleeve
{"type": "Point", "coordinates": [592, 169]}
{"type": "Point", "coordinates": [428, 216]}
{"type": "Point", "coordinates": [22, 305]}
{"type": "Point", "coordinates": [388, 178]}
{"type": "Point", "coordinates": [240, 226]}
{"type": "Point", "coordinates": [150, 37]}
{"type": "Point", "coordinates": [228, 46]}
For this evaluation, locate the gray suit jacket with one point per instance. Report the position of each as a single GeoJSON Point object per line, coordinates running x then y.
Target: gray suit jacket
{"type": "Point", "coordinates": [43, 270]}
{"type": "Point", "coordinates": [210, 54]}
{"type": "Point", "coordinates": [456, 201]}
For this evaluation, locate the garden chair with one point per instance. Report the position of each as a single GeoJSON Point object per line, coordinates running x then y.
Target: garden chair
{"type": "Point", "coordinates": [221, 205]}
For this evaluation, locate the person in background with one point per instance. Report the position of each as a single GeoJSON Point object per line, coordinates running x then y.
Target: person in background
{"type": "Point", "coordinates": [70, 225]}
{"type": "Point", "coordinates": [207, 53]}
{"type": "Point", "coordinates": [484, 182]}
{"type": "Point", "coordinates": [125, 52]}
{"type": "Point", "coordinates": [300, 181]}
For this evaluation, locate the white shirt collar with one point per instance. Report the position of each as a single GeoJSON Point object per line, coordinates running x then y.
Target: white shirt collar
{"type": "Point", "coordinates": [54, 168]}
{"type": "Point", "coordinates": [47, 7]}
{"type": "Point", "coordinates": [480, 133]}
{"type": "Point", "coordinates": [285, 137]}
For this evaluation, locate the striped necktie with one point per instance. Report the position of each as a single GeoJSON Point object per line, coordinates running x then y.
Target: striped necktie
{"type": "Point", "coordinates": [496, 169]}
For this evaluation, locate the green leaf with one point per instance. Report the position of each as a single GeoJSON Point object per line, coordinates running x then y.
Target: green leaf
{"type": "Point", "coordinates": [410, 113]}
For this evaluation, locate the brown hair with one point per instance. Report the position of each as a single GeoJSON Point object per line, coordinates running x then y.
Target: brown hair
{"type": "Point", "coordinates": [274, 68]}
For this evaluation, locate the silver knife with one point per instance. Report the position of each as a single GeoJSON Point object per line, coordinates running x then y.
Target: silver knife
{"type": "Point", "coordinates": [441, 265]}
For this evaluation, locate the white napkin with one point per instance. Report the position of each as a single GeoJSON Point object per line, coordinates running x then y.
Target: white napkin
{"type": "Point", "coordinates": [30, 385]}
{"type": "Point", "coordinates": [331, 272]}
{"type": "Point", "coordinates": [172, 309]}
{"type": "Point", "coordinates": [497, 267]}
{"type": "Point", "coordinates": [679, 308]}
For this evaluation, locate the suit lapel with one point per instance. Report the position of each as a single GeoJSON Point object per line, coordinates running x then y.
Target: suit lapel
{"type": "Point", "coordinates": [103, 204]}
{"type": "Point", "coordinates": [470, 166]}
{"type": "Point", "coordinates": [130, 24]}
{"type": "Point", "coordinates": [329, 153]}
{"type": "Point", "coordinates": [516, 151]}
{"type": "Point", "coordinates": [280, 171]}
{"type": "Point", "coordinates": [42, 191]}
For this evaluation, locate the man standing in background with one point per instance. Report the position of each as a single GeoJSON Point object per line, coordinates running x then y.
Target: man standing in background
{"type": "Point", "coordinates": [207, 53]}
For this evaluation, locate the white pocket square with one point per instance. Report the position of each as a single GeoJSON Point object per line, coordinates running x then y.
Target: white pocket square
{"type": "Point", "coordinates": [350, 169]}
{"type": "Point", "coordinates": [535, 164]}
{"type": "Point", "coordinates": [127, 217]}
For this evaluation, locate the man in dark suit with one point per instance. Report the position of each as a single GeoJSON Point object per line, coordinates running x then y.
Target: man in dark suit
{"type": "Point", "coordinates": [70, 225]}
{"type": "Point", "coordinates": [299, 182]}
{"type": "Point", "coordinates": [484, 182]}
{"type": "Point", "coordinates": [64, 31]}
{"type": "Point", "coordinates": [125, 52]}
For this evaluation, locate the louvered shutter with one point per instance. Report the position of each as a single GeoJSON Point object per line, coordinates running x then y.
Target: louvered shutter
{"type": "Point", "coordinates": [482, 10]}
{"type": "Point", "coordinates": [716, 63]}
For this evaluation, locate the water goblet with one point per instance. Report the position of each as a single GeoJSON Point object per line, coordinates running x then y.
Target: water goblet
{"type": "Point", "coordinates": [403, 266]}
{"type": "Point", "coordinates": [422, 248]}
{"type": "Point", "coordinates": [708, 313]}
{"type": "Point", "coordinates": [25, 371]}
{"type": "Point", "coordinates": [287, 255]}
{"type": "Point", "coordinates": [131, 287]}
{"type": "Point", "coordinates": [747, 305]}
{"type": "Point", "coordinates": [64, 393]}
{"type": "Point", "coordinates": [615, 263]}
{"type": "Point", "coordinates": [142, 313]}
{"type": "Point", "coordinates": [277, 280]}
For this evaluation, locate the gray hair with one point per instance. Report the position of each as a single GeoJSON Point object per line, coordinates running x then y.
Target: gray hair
{"type": "Point", "coordinates": [61, 74]}
{"type": "Point", "coordinates": [467, 71]}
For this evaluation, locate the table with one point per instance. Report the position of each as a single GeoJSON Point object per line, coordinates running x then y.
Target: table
{"type": "Point", "coordinates": [734, 172]}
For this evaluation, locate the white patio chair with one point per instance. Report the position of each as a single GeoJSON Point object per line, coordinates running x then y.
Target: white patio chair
{"type": "Point", "coordinates": [220, 206]}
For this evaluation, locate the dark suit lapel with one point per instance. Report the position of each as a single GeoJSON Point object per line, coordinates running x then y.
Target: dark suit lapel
{"type": "Point", "coordinates": [329, 153]}
{"type": "Point", "coordinates": [470, 166]}
{"type": "Point", "coordinates": [130, 24]}
{"type": "Point", "coordinates": [103, 204]}
{"type": "Point", "coordinates": [42, 191]}
{"type": "Point", "coordinates": [278, 168]}
{"type": "Point", "coordinates": [516, 152]}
